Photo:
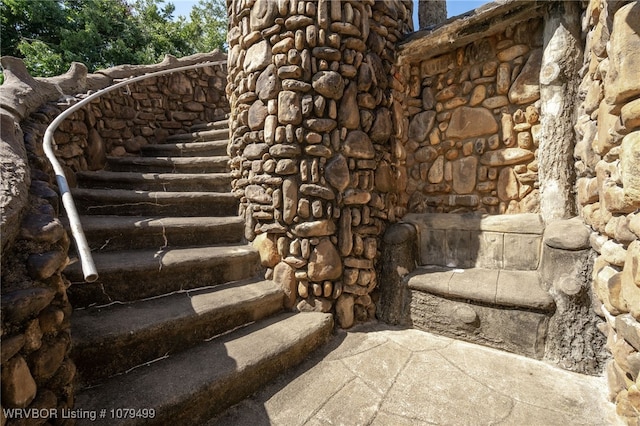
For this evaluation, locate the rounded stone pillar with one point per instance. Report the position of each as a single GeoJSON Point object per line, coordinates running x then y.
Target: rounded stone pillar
{"type": "Point", "coordinates": [311, 128]}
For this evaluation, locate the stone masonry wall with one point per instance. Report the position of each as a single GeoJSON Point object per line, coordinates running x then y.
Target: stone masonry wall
{"type": "Point", "coordinates": [311, 142]}
{"type": "Point", "coordinates": [608, 187]}
{"type": "Point", "coordinates": [120, 123]}
{"type": "Point", "coordinates": [471, 125]}
{"type": "Point", "coordinates": [36, 370]}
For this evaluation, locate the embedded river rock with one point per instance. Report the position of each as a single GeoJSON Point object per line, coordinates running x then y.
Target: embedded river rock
{"type": "Point", "coordinates": [311, 123]}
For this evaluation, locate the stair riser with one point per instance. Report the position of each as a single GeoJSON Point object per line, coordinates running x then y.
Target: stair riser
{"type": "Point", "coordinates": [221, 395]}
{"type": "Point", "coordinates": [97, 361]}
{"type": "Point", "coordinates": [201, 136]}
{"type": "Point", "coordinates": [222, 124]}
{"type": "Point", "coordinates": [173, 151]}
{"type": "Point", "coordinates": [128, 286]}
{"type": "Point", "coordinates": [181, 208]}
{"type": "Point", "coordinates": [211, 185]}
{"type": "Point", "coordinates": [213, 167]}
{"type": "Point", "coordinates": [141, 238]}
{"type": "Point", "coordinates": [190, 388]}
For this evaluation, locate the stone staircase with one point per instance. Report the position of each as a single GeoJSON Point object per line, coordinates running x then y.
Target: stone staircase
{"type": "Point", "coordinates": [179, 321]}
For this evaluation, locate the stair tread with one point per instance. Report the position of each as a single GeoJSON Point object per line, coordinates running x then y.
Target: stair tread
{"type": "Point", "coordinates": [169, 181]}
{"type": "Point", "coordinates": [115, 338]}
{"type": "Point", "coordinates": [182, 161]}
{"type": "Point", "coordinates": [201, 135]}
{"type": "Point", "coordinates": [142, 260]}
{"type": "Point", "coordinates": [186, 147]}
{"type": "Point", "coordinates": [111, 222]}
{"type": "Point", "coordinates": [212, 125]}
{"type": "Point", "coordinates": [493, 286]}
{"type": "Point", "coordinates": [157, 197]}
{"type": "Point", "coordinates": [150, 176]}
{"type": "Point", "coordinates": [94, 325]}
{"type": "Point", "coordinates": [194, 385]}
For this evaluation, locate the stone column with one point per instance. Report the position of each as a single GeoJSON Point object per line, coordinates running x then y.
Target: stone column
{"type": "Point", "coordinates": [431, 13]}
{"type": "Point", "coordinates": [561, 60]}
{"type": "Point", "coordinates": [311, 134]}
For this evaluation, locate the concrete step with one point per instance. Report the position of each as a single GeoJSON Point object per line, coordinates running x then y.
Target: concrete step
{"type": "Point", "coordinates": [504, 309]}
{"type": "Point", "coordinates": [186, 149]}
{"type": "Point", "coordinates": [128, 275]}
{"type": "Point", "coordinates": [113, 339]}
{"type": "Point", "coordinates": [214, 134]}
{"type": "Point", "coordinates": [220, 124]}
{"type": "Point", "coordinates": [210, 182]}
{"type": "Point", "coordinates": [215, 164]}
{"type": "Point", "coordinates": [156, 203]}
{"type": "Point", "coordinates": [108, 233]}
{"type": "Point", "coordinates": [193, 386]}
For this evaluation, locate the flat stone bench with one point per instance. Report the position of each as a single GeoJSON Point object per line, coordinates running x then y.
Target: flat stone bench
{"type": "Point", "coordinates": [476, 278]}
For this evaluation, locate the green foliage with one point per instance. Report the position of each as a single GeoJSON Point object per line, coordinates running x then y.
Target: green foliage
{"type": "Point", "coordinates": [50, 34]}
{"type": "Point", "coordinates": [208, 26]}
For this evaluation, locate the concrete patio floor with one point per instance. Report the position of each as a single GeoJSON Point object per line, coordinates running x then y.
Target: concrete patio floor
{"type": "Point", "coordinates": [375, 374]}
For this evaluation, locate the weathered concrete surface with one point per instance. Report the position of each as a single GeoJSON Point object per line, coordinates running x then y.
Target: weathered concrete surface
{"type": "Point", "coordinates": [379, 375]}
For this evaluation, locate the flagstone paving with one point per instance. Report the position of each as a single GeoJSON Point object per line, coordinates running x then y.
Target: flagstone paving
{"type": "Point", "coordinates": [375, 374]}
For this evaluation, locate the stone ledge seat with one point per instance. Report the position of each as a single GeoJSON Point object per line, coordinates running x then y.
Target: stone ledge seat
{"type": "Point", "coordinates": [518, 289]}
{"type": "Point", "coordinates": [474, 277]}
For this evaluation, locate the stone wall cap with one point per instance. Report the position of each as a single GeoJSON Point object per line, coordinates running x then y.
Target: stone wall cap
{"type": "Point", "coordinates": [567, 234]}
{"type": "Point", "coordinates": [463, 29]}
{"type": "Point", "coordinates": [169, 61]}
{"type": "Point", "coordinates": [523, 223]}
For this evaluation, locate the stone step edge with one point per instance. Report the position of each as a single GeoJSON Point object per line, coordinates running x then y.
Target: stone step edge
{"type": "Point", "coordinates": [115, 223]}
{"type": "Point", "coordinates": [200, 136]}
{"type": "Point", "coordinates": [166, 161]}
{"type": "Point", "coordinates": [150, 176]}
{"type": "Point", "coordinates": [195, 385]}
{"type": "Point", "coordinates": [115, 338]}
{"type": "Point", "coordinates": [492, 287]}
{"type": "Point", "coordinates": [186, 146]}
{"type": "Point", "coordinates": [217, 124]}
{"type": "Point", "coordinates": [145, 260]}
{"type": "Point", "coordinates": [125, 196]}
{"type": "Point", "coordinates": [111, 232]}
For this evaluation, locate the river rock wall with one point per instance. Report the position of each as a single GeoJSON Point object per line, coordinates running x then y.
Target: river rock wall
{"type": "Point", "coordinates": [146, 112]}
{"type": "Point", "coordinates": [473, 130]}
{"type": "Point", "coordinates": [311, 142]}
{"type": "Point", "coordinates": [607, 163]}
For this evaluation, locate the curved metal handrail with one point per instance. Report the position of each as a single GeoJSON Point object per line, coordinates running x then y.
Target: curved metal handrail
{"type": "Point", "coordinates": [84, 252]}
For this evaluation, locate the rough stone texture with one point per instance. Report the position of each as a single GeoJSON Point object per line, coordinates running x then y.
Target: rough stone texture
{"type": "Point", "coordinates": [18, 386]}
{"type": "Point", "coordinates": [431, 13]}
{"type": "Point", "coordinates": [328, 132]}
{"type": "Point", "coordinates": [575, 342]}
{"type": "Point", "coordinates": [522, 332]}
{"type": "Point", "coordinates": [463, 131]}
{"type": "Point", "coordinates": [621, 82]}
{"type": "Point", "coordinates": [324, 262]}
{"type": "Point", "coordinates": [560, 62]}
{"type": "Point", "coordinates": [609, 168]}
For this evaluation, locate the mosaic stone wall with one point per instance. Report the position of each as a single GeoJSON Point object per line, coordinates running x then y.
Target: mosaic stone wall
{"type": "Point", "coordinates": [311, 142]}
{"type": "Point", "coordinates": [608, 186]}
{"type": "Point", "coordinates": [472, 125]}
